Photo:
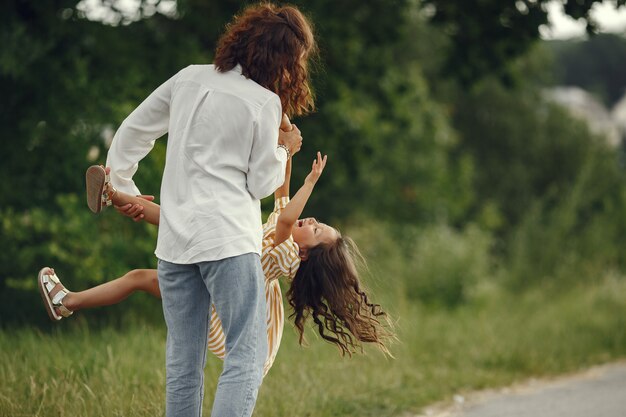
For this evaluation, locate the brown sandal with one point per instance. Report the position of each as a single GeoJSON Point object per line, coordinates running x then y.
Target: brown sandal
{"type": "Point", "coordinates": [99, 188]}
{"type": "Point", "coordinates": [52, 292]}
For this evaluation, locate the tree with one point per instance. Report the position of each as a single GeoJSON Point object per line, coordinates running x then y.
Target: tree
{"type": "Point", "coordinates": [63, 80]}
{"type": "Point", "coordinates": [487, 34]}
{"type": "Point", "coordinates": [68, 81]}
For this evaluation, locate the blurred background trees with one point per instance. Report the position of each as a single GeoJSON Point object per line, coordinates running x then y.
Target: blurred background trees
{"type": "Point", "coordinates": [440, 140]}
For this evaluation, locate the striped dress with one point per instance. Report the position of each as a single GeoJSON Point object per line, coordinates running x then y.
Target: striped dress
{"type": "Point", "coordinates": [277, 261]}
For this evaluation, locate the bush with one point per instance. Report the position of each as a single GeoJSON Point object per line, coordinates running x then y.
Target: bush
{"type": "Point", "coordinates": [575, 236]}
{"type": "Point", "coordinates": [84, 250]}
{"type": "Point", "coordinates": [445, 264]}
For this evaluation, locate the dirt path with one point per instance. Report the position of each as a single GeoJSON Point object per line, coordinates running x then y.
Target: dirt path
{"type": "Point", "coordinates": [598, 392]}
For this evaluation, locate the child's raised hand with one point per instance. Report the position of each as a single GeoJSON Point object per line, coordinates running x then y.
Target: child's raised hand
{"type": "Point", "coordinates": [316, 169]}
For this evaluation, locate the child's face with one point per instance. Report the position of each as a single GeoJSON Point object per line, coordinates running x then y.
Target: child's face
{"type": "Point", "coordinates": [308, 233]}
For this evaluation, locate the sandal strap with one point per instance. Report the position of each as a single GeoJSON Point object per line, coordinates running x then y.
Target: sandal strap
{"type": "Point", "coordinates": [50, 282]}
{"type": "Point", "coordinates": [57, 300]}
{"type": "Point", "coordinates": [106, 196]}
{"type": "Point", "coordinates": [65, 312]}
{"type": "Point", "coordinates": [106, 199]}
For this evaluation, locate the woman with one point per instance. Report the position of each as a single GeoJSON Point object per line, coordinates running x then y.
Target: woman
{"type": "Point", "coordinates": [224, 154]}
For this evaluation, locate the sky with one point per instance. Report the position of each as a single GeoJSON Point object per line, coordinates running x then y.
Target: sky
{"type": "Point", "coordinates": [564, 27]}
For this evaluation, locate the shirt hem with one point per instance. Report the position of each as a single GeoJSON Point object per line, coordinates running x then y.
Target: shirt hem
{"type": "Point", "coordinates": [204, 258]}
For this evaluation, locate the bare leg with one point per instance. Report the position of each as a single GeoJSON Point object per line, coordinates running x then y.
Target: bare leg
{"type": "Point", "coordinates": [113, 292]}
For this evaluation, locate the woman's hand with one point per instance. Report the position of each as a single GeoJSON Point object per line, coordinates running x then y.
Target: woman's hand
{"type": "Point", "coordinates": [285, 124]}
{"type": "Point", "coordinates": [134, 211]}
{"type": "Point", "coordinates": [316, 169]}
{"type": "Point", "coordinates": [292, 139]}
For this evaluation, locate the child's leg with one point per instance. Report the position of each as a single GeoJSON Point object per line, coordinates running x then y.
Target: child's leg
{"type": "Point", "coordinates": [151, 211]}
{"type": "Point", "coordinates": [113, 292]}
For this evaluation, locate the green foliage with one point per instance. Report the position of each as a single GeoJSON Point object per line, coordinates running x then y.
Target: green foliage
{"type": "Point", "coordinates": [69, 82]}
{"type": "Point", "coordinates": [486, 35]}
{"type": "Point", "coordinates": [480, 210]}
{"type": "Point", "coordinates": [84, 251]}
{"type": "Point", "coordinates": [546, 186]}
{"type": "Point", "coordinates": [394, 147]}
{"type": "Point", "coordinates": [446, 265]}
{"type": "Point", "coordinates": [435, 265]}
{"type": "Point", "coordinates": [64, 79]}
{"type": "Point", "coordinates": [376, 118]}
{"type": "Point", "coordinates": [102, 77]}
{"type": "Point", "coordinates": [567, 241]}
{"type": "Point", "coordinates": [498, 165]}
{"type": "Point", "coordinates": [526, 147]}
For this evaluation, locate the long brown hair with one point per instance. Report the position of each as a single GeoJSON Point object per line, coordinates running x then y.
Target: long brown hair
{"type": "Point", "coordinates": [272, 44]}
{"type": "Point", "coordinates": [327, 288]}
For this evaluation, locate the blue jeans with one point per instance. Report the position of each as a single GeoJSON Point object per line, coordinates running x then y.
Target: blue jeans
{"type": "Point", "coordinates": [236, 287]}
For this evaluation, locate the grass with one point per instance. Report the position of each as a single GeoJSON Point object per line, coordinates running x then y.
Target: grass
{"type": "Point", "coordinates": [494, 340]}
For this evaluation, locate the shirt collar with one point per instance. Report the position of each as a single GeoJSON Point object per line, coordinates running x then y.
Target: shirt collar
{"type": "Point", "coordinates": [238, 69]}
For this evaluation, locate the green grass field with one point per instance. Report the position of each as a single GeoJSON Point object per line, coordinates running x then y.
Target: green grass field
{"type": "Point", "coordinates": [494, 340]}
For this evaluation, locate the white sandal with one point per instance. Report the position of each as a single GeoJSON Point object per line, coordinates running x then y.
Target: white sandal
{"type": "Point", "coordinates": [99, 188]}
{"type": "Point", "coordinates": [52, 292]}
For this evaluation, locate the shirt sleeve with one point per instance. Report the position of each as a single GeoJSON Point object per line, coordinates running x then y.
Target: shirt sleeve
{"type": "Point", "coordinates": [266, 167]}
{"type": "Point", "coordinates": [136, 136]}
{"type": "Point", "coordinates": [286, 256]}
{"type": "Point", "coordinates": [279, 205]}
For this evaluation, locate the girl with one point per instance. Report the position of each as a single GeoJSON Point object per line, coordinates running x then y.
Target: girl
{"type": "Point", "coordinates": [318, 260]}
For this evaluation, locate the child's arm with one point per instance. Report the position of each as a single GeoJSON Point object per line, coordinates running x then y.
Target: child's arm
{"type": "Point", "coordinates": [283, 190]}
{"type": "Point", "coordinates": [294, 208]}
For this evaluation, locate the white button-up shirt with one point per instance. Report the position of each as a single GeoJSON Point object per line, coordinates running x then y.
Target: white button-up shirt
{"type": "Point", "coordinates": [222, 158]}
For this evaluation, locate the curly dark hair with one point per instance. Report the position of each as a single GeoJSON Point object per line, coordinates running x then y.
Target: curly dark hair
{"type": "Point", "coordinates": [272, 44]}
{"type": "Point", "coordinates": [327, 288]}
